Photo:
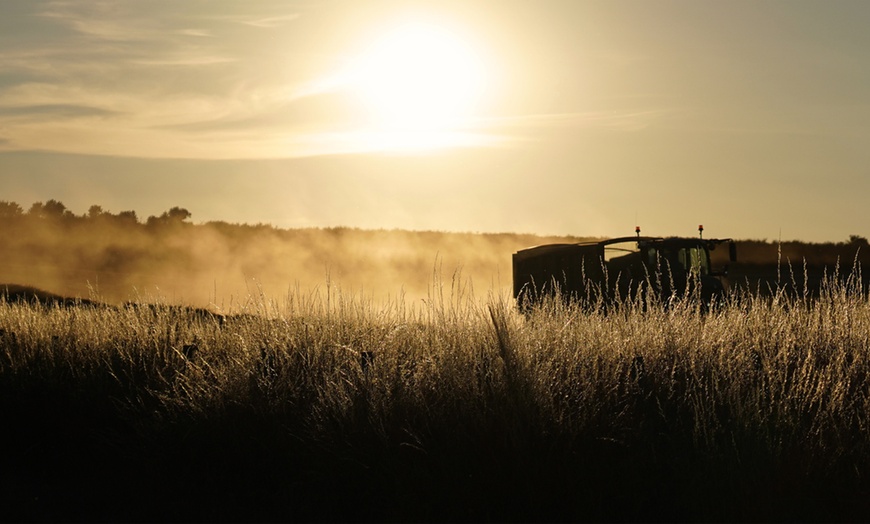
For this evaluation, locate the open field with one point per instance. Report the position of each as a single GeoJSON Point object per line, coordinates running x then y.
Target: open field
{"type": "Point", "coordinates": [328, 406]}
{"type": "Point", "coordinates": [115, 258]}
{"type": "Point", "coordinates": [374, 388]}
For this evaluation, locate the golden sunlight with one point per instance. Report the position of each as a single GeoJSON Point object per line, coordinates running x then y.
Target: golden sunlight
{"type": "Point", "coordinates": [420, 83]}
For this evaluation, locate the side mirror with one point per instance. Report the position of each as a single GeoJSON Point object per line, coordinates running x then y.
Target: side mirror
{"type": "Point", "coordinates": [732, 251]}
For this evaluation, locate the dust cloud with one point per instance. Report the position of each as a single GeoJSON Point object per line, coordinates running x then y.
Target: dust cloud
{"type": "Point", "coordinates": [116, 257]}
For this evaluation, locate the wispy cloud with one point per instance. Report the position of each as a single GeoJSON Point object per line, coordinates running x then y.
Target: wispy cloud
{"type": "Point", "coordinates": [184, 60]}
{"type": "Point", "coordinates": [97, 19]}
{"type": "Point", "coordinates": [271, 21]}
{"type": "Point", "coordinates": [150, 62]}
{"type": "Point", "coordinates": [54, 111]}
{"type": "Point", "coordinates": [628, 121]}
{"type": "Point", "coordinates": [194, 32]}
{"type": "Point", "coordinates": [183, 80]}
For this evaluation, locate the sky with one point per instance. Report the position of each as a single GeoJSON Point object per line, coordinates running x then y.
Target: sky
{"type": "Point", "coordinates": [574, 117]}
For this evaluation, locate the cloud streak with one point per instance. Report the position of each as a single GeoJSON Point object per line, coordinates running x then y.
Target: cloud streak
{"type": "Point", "coordinates": [271, 21]}
{"type": "Point", "coordinates": [182, 80]}
{"type": "Point", "coordinates": [54, 111]}
{"type": "Point", "coordinates": [636, 120]}
{"type": "Point", "coordinates": [147, 66]}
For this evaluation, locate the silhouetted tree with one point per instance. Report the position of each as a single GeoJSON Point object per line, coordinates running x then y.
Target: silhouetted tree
{"type": "Point", "coordinates": [37, 210]}
{"type": "Point", "coordinates": [10, 210]}
{"type": "Point", "coordinates": [52, 209]}
{"type": "Point", "coordinates": [127, 217]}
{"type": "Point", "coordinates": [858, 241]}
{"type": "Point", "coordinates": [95, 211]}
{"type": "Point", "coordinates": [176, 215]}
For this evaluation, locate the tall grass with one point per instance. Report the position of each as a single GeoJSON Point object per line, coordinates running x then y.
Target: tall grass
{"type": "Point", "coordinates": [327, 406]}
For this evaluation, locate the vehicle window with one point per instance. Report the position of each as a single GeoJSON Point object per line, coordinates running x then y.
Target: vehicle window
{"type": "Point", "coordinates": [694, 259]}
{"type": "Point", "coordinates": [685, 258]}
{"type": "Point", "coordinates": [621, 249]}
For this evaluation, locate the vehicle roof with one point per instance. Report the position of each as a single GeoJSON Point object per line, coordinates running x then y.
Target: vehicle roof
{"type": "Point", "coordinates": [583, 246]}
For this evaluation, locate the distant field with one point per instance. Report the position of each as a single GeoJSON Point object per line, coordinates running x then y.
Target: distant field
{"type": "Point", "coordinates": [328, 406]}
{"type": "Point", "coordinates": [115, 258]}
{"type": "Point", "coordinates": [224, 264]}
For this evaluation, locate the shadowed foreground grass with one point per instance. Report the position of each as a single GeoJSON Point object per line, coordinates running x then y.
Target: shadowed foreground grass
{"type": "Point", "coordinates": [328, 407]}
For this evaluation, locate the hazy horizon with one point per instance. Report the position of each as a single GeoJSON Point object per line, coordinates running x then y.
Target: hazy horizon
{"type": "Point", "coordinates": [554, 118]}
{"type": "Point", "coordinates": [117, 256]}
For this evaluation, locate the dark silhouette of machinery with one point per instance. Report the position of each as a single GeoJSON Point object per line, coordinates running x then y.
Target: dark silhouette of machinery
{"type": "Point", "coordinates": [620, 268]}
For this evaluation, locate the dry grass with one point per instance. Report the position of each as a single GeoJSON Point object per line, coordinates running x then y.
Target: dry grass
{"type": "Point", "coordinates": [325, 406]}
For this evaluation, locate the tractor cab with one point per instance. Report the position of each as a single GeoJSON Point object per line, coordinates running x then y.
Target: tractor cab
{"type": "Point", "coordinates": [619, 267]}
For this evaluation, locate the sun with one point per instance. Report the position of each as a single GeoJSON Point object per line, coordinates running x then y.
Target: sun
{"type": "Point", "coordinates": [418, 79]}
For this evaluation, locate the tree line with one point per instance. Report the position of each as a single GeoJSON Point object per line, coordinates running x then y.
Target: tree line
{"type": "Point", "coordinates": [49, 246]}
{"type": "Point", "coordinates": [56, 211]}
{"type": "Point", "coordinates": [53, 213]}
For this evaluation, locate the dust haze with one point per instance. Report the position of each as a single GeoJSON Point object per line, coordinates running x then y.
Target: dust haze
{"type": "Point", "coordinates": [116, 256]}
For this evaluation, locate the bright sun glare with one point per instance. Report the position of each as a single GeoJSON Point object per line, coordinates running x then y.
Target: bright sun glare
{"type": "Point", "coordinates": [421, 84]}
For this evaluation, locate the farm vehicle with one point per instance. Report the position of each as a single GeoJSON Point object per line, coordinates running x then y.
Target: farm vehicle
{"type": "Point", "coordinates": [620, 268]}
